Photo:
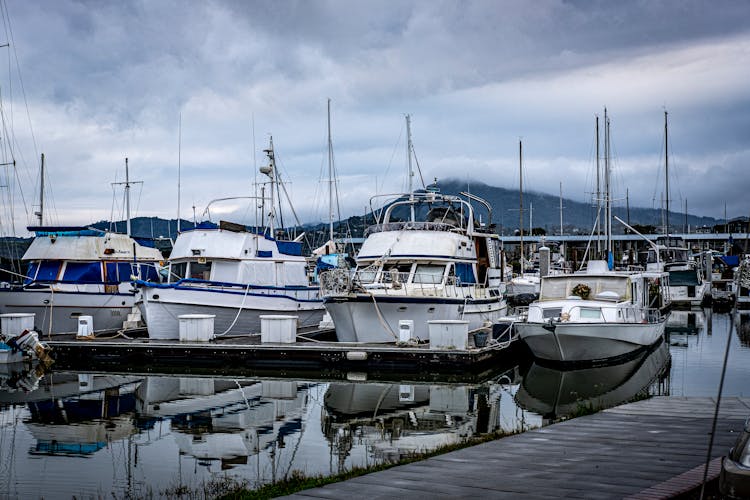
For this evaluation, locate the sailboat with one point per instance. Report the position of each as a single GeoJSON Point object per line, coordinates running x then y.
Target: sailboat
{"type": "Point", "coordinates": [687, 286]}
{"type": "Point", "coordinates": [79, 271]}
{"type": "Point", "coordinates": [593, 315]}
{"type": "Point", "coordinates": [427, 258]}
{"type": "Point", "coordinates": [524, 288]}
{"type": "Point", "coordinates": [234, 273]}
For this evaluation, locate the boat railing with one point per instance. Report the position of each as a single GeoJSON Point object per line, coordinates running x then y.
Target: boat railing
{"type": "Point", "coordinates": [339, 282]}
{"type": "Point", "coordinates": [410, 226]}
{"type": "Point", "coordinates": [622, 313]}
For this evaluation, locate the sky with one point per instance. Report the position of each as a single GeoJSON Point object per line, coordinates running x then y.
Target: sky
{"type": "Point", "coordinates": [192, 91]}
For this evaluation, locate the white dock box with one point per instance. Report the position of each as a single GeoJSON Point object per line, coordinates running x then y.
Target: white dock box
{"type": "Point", "coordinates": [405, 330]}
{"type": "Point", "coordinates": [449, 334]}
{"type": "Point", "coordinates": [196, 327]}
{"type": "Point", "coordinates": [85, 326]}
{"type": "Point", "coordinates": [11, 324]}
{"type": "Point", "coordinates": [278, 328]}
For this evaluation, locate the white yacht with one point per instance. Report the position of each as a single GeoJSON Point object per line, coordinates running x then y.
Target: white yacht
{"type": "Point", "coordinates": [593, 315]}
{"type": "Point", "coordinates": [597, 314]}
{"type": "Point", "coordinates": [80, 271]}
{"type": "Point", "coordinates": [687, 287]}
{"type": "Point", "coordinates": [429, 259]}
{"type": "Point", "coordinates": [234, 273]}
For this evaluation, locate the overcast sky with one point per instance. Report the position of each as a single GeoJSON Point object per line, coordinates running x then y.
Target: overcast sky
{"type": "Point", "coordinates": [101, 81]}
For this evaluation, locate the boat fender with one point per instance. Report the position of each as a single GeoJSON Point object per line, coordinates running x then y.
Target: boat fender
{"type": "Point", "coordinates": [356, 356]}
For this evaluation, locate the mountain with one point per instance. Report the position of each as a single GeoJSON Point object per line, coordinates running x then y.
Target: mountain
{"type": "Point", "coordinates": [546, 211]}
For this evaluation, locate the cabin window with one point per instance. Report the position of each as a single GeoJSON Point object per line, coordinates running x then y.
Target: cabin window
{"type": "Point", "coordinates": [83, 272]}
{"type": "Point", "coordinates": [398, 272]}
{"type": "Point", "coordinates": [428, 274]}
{"type": "Point", "coordinates": [591, 313]}
{"type": "Point", "coordinates": [177, 271]}
{"type": "Point", "coordinates": [551, 312]}
{"type": "Point", "coordinates": [200, 270]}
{"type": "Point", "coordinates": [31, 272]}
{"type": "Point", "coordinates": [48, 270]}
{"type": "Point", "coordinates": [367, 274]}
{"type": "Point", "coordinates": [149, 272]}
{"type": "Point", "coordinates": [465, 272]}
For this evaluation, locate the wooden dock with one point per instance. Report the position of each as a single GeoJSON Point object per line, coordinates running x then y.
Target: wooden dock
{"type": "Point", "coordinates": [650, 449]}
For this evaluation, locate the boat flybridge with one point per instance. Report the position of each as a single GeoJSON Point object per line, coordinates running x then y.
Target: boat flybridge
{"type": "Point", "coordinates": [427, 259]}
{"type": "Point", "coordinates": [75, 272]}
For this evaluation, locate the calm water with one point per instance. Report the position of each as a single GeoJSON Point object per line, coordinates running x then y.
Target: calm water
{"type": "Point", "coordinates": [108, 435]}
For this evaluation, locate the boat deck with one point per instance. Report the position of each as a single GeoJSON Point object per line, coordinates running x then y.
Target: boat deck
{"type": "Point", "coordinates": [654, 448]}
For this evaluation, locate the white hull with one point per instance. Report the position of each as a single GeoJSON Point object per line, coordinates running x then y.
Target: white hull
{"type": "Point", "coordinates": [680, 296]}
{"type": "Point", "coordinates": [361, 319]}
{"type": "Point", "coordinates": [575, 342]}
{"type": "Point", "coordinates": [108, 311]}
{"type": "Point", "coordinates": [161, 314]}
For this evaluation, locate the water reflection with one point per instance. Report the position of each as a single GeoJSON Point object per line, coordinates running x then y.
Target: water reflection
{"type": "Point", "coordinates": [65, 434]}
{"type": "Point", "coordinates": [556, 393]}
{"type": "Point", "coordinates": [399, 420]}
{"type": "Point", "coordinates": [742, 324]}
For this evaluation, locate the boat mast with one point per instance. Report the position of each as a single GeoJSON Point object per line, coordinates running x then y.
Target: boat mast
{"type": "Point", "coordinates": [127, 184]}
{"type": "Point", "coordinates": [666, 172]}
{"type": "Point", "coordinates": [410, 173]}
{"type": "Point", "coordinates": [270, 171]}
{"type": "Point", "coordinates": [598, 195]}
{"type": "Point", "coordinates": [561, 211]}
{"type": "Point", "coordinates": [330, 176]}
{"type": "Point", "coordinates": [40, 213]}
{"type": "Point", "coordinates": [179, 169]}
{"type": "Point", "coordinates": [520, 197]}
{"type": "Point", "coordinates": [607, 197]}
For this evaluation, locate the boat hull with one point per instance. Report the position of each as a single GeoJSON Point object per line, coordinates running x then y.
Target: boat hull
{"type": "Point", "coordinates": [161, 308]}
{"type": "Point", "coordinates": [588, 342]}
{"type": "Point", "coordinates": [108, 310]}
{"type": "Point", "coordinates": [364, 318]}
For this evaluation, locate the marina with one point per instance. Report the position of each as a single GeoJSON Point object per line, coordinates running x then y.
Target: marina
{"type": "Point", "coordinates": [151, 427]}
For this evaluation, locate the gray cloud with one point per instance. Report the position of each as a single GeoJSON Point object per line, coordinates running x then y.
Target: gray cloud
{"type": "Point", "coordinates": [105, 80]}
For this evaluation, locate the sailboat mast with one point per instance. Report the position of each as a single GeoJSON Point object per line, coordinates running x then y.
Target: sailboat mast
{"type": "Point", "coordinates": [179, 170]}
{"type": "Point", "coordinates": [598, 193]}
{"type": "Point", "coordinates": [410, 173]}
{"type": "Point", "coordinates": [607, 198]}
{"type": "Point", "coordinates": [330, 176]}
{"type": "Point", "coordinates": [520, 197]}
{"type": "Point", "coordinates": [666, 172]}
{"type": "Point", "coordinates": [561, 211]}
{"type": "Point", "coordinates": [127, 197]}
{"type": "Point", "coordinates": [41, 194]}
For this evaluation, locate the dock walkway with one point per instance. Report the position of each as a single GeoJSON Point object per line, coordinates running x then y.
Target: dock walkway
{"type": "Point", "coordinates": [654, 448]}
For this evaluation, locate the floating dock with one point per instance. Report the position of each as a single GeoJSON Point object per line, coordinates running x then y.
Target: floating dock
{"type": "Point", "coordinates": [247, 355]}
{"type": "Point", "coordinates": [655, 448]}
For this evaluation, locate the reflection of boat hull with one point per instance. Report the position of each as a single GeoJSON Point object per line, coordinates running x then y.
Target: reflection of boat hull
{"type": "Point", "coordinates": [361, 319]}
{"type": "Point", "coordinates": [559, 393]}
{"type": "Point", "coordinates": [372, 400]}
{"type": "Point", "coordinates": [588, 342]}
{"type": "Point", "coordinates": [690, 322]}
{"type": "Point", "coordinates": [162, 306]}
